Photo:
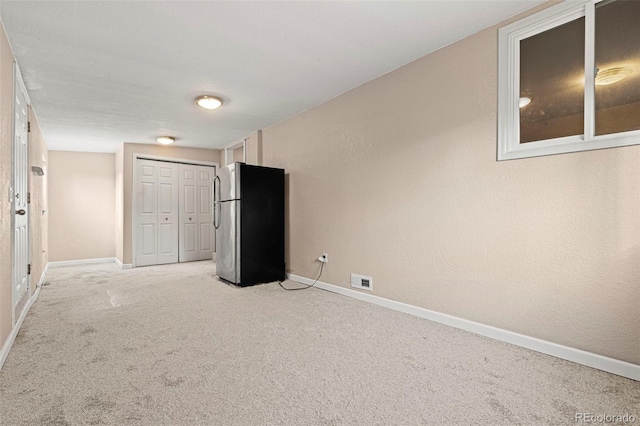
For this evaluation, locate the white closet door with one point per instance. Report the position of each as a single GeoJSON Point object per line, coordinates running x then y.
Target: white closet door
{"type": "Point", "coordinates": [146, 231]}
{"type": "Point", "coordinates": [196, 212]}
{"type": "Point", "coordinates": [205, 212]}
{"type": "Point", "coordinates": [168, 212]}
{"type": "Point", "coordinates": [188, 213]}
{"type": "Point", "coordinates": [156, 230]}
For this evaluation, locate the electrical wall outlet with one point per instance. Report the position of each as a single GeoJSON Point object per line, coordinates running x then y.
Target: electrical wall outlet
{"type": "Point", "coordinates": [324, 258]}
{"type": "Point", "coordinates": [362, 282]}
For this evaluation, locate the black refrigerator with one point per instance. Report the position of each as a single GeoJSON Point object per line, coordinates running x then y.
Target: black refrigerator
{"type": "Point", "coordinates": [249, 222]}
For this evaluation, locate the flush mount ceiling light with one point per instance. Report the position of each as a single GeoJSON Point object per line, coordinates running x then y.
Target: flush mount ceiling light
{"type": "Point", "coordinates": [524, 102]}
{"type": "Point", "coordinates": [209, 102]}
{"type": "Point", "coordinates": [612, 75]}
{"type": "Point", "coordinates": [165, 140]}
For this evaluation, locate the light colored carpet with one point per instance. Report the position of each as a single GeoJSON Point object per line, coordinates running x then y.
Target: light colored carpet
{"type": "Point", "coordinates": [171, 345]}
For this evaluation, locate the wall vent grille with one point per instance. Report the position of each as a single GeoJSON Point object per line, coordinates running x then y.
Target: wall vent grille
{"type": "Point", "coordinates": [362, 282]}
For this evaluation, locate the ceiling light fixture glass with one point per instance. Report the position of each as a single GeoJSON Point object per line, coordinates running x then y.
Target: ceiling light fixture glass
{"type": "Point", "coordinates": [612, 75]}
{"type": "Point", "coordinates": [524, 102]}
{"type": "Point", "coordinates": [209, 102]}
{"type": "Point", "coordinates": [165, 140]}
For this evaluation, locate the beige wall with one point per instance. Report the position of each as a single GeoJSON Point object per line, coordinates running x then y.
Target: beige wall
{"type": "Point", "coordinates": [119, 159]}
{"type": "Point", "coordinates": [253, 148]}
{"type": "Point", "coordinates": [130, 149]}
{"type": "Point", "coordinates": [238, 154]}
{"type": "Point", "coordinates": [37, 187]}
{"type": "Point", "coordinates": [398, 179]}
{"type": "Point", "coordinates": [81, 205]}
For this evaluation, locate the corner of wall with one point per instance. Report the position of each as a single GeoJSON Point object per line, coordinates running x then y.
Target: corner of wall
{"type": "Point", "coordinates": [119, 204]}
{"type": "Point", "coordinates": [253, 148]}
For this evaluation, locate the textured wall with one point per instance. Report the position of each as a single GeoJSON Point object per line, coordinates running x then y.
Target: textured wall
{"type": "Point", "coordinates": [6, 250]}
{"type": "Point", "coordinates": [38, 186]}
{"type": "Point", "coordinates": [238, 154]}
{"type": "Point", "coordinates": [81, 205]}
{"type": "Point", "coordinates": [119, 158]}
{"type": "Point", "coordinates": [253, 147]}
{"type": "Point", "coordinates": [398, 179]}
{"type": "Point", "coordinates": [160, 151]}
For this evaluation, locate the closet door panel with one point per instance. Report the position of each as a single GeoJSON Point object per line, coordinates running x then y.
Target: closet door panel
{"type": "Point", "coordinates": [146, 213]}
{"type": "Point", "coordinates": [168, 212]}
{"type": "Point", "coordinates": [188, 213]}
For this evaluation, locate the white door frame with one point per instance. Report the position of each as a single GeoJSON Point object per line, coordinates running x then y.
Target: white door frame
{"type": "Point", "coordinates": [134, 204]}
{"type": "Point", "coordinates": [17, 81]}
{"type": "Point", "coordinates": [228, 151]}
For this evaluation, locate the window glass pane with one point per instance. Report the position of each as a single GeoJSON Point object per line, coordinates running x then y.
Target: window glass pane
{"type": "Point", "coordinates": [552, 76]}
{"type": "Point", "coordinates": [617, 53]}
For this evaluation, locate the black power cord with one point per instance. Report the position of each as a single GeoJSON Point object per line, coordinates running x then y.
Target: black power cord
{"type": "Point", "coordinates": [307, 286]}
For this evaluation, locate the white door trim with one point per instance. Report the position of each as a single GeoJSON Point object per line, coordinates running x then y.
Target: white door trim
{"type": "Point", "coordinates": [18, 75]}
{"type": "Point", "coordinates": [134, 204]}
{"type": "Point", "coordinates": [228, 151]}
{"type": "Point", "coordinates": [137, 156]}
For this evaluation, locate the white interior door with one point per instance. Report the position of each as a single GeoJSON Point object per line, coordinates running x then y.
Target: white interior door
{"type": "Point", "coordinates": [196, 212]}
{"type": "Point", "coordinates": [20, 207]}
{"type": "Point", "coordinates": [156, 212]}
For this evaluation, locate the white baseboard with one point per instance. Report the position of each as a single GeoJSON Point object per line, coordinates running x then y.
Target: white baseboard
{"type": "Point", "coordinates": [122, 265]}
{"type": "Point", "coordinates": [83, 261]}
{"type": "Point", "coordinates": [610, 365]}
{"type": "Point", "coordinates": [6, 347]}
{"type": "Point", "coordinates": [92, 261]}
{"type": "Point", "coordinates": [44, 272]}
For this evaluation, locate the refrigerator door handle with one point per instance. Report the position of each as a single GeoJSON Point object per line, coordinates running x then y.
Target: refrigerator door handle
{"type": "Point", "coordinates": [216, 202]}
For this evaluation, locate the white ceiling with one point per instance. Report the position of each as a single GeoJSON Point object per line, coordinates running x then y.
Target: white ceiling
{"type": "Point", "coordinates": [100, 73]}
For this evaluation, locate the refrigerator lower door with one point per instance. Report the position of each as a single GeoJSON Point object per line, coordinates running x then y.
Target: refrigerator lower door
{"type": "Point", "coordinates": [228, 242]}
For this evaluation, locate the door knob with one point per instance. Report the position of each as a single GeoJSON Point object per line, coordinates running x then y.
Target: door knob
{"type": "Point", "coordinates": [21, 212]}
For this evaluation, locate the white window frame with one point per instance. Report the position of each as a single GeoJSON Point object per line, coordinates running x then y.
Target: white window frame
{"type": "Point", "coordinates": [509, 146]}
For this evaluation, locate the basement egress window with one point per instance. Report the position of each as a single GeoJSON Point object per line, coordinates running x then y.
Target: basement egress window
{"type": "Point", "coordinates": [569, 79]}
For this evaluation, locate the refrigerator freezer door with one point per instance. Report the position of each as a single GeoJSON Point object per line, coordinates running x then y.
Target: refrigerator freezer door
{"type": "Point", "coordinates": [262, 236]}
{"type": "Point", "coordinates": [229, 183]}
{"type": "Point", "coordinates": [228, 242]}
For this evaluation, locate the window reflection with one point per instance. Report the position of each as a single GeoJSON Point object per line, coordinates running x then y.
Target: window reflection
{"type": "Point", "coordinates": [617, 53]}
{"type": "Point", "coordinates": [552, 77]}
